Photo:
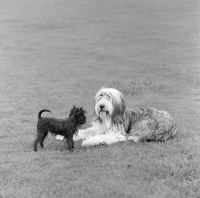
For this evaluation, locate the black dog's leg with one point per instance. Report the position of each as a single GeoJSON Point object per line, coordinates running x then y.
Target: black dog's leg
{"type": "Point", "coordinates": [70, 143]}
{"type": "Point", "coordinates": [40, 138]}
{"type": "Point", "coordinates": [36, 142]}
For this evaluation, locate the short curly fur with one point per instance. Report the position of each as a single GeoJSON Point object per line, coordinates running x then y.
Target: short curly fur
{"type": "Point", "coordinates": [65, 127]}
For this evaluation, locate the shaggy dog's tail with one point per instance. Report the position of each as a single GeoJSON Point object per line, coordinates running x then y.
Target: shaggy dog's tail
{"type": "Point", "coordinates": [43, 110]}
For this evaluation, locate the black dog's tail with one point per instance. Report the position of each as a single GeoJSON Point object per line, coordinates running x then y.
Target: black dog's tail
{"type": "Point", "coordinates": [43, 110]}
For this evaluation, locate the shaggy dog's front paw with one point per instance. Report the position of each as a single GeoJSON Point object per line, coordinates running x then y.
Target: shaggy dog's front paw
{"type": "Point", "coordinates": [134, 138]}
{"type": "Point", "coordinates": [121, 137]}
{"type": "Point", "coordinates": [90, 142]}
{"type": "Point", "coordinates": [59, 137]}
{"type": "Point", "coordinates": [104, 139]}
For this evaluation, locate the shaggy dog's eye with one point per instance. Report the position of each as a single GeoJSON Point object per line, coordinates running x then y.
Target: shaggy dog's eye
{"type": "Point", "coordinates": [98, 99]}
{"type": "Point", "coordinates": [100, 96]}
{"type": "Point", "coordinates": [108, 97]}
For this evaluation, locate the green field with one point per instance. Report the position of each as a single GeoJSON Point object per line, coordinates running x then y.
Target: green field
{"type": "Point", "coordinates": [56, 53]}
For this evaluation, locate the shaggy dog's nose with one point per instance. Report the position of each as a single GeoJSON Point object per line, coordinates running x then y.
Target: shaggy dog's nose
{"type": "Point", "coordinates": [102, 107]}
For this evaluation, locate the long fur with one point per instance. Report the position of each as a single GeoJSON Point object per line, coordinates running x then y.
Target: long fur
{"type": "Point", "coordinates": [113, 122]}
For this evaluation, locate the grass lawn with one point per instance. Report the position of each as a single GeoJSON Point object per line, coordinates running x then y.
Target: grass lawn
{"type": "Point", "coordinates": [57, 53]}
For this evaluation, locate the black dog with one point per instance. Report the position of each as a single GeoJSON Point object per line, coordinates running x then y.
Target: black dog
{"type": "Point", "coordinates": [65, 127]}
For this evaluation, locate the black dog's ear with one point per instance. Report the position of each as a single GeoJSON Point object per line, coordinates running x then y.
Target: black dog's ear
{"type": "Point", "coordinates": [73, 110]}
{"type": "Point", "coordinates": [84, 111]}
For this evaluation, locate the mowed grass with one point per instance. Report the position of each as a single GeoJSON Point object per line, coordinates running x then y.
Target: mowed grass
{"type": "Point", "coordinates": [57, 53]}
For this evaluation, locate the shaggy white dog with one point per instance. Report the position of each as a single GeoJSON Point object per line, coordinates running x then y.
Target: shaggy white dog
{"type": "Point", "coordinates": [114, 123]}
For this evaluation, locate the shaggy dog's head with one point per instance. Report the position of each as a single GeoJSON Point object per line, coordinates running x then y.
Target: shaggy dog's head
{"type": "Point", "coordinates": [110, 104]}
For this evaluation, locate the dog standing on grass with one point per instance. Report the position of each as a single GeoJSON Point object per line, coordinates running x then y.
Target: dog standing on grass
{"type": "Point", "coordinates": [64, 127]}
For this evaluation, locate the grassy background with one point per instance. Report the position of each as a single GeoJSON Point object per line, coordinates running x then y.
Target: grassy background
{"type": "Point", "coordinates": [57, 53]}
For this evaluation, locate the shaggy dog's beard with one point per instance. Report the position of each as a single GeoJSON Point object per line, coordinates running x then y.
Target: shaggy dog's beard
{"type": "Point", "coordinates": [103, 112]}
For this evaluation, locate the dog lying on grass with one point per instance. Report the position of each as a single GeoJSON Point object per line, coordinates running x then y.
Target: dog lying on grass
{"type": "Point", "coordinates": [64, 127]}
{"type": "Point", "coordinates": [113, 122]}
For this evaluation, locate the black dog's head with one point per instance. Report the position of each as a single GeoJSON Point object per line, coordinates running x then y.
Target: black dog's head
{"type": "Point", "coordinates": [78, 114]}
